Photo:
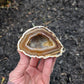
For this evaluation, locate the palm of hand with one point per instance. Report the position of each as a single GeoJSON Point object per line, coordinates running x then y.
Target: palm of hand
{"type": "Point", "coordinates": [28, 71]}
{"type": "Point", "coordinates": [33, 78]}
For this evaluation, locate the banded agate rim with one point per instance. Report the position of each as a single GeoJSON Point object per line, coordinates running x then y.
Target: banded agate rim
{"type": "Point", "coordinates": [40, 42]}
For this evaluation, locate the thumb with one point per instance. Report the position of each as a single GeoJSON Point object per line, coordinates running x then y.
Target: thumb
{"type": "Point", "coordinates": [20, 68]}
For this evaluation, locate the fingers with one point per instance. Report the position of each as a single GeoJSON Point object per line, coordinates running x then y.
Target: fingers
{"type": "Point", "coordinates": [32, 68]}
{"type": "Point", "coordinates": [41, 65]}
{"type": "Point", "coordinates": [22, 65]}
{"type": "Point", "coordinates": [24, 61]}
{"type": "Point", "coordinates": [34, 62]}
{"type": "Point", "coordinates": [48, 66]}
{"type": "Point", "coordinates": [32, 71]}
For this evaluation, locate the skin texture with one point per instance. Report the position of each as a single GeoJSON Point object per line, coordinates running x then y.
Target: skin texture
{"type": "Point", "coordinates": [32, 71]}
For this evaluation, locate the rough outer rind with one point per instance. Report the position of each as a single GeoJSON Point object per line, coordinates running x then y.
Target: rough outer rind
{"type": "Point", "coordinates": [44, 57]}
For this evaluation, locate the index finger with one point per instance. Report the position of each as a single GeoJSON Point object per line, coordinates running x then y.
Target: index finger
{"type": "Point", "coordinates": [21, 66]}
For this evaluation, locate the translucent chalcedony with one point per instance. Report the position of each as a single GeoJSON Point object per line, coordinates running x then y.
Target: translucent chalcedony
{"type": "Point", "coordinates": [40, 42]}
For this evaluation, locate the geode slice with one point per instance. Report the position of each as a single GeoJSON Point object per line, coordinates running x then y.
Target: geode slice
{"type": "Point", "coordinates": [40, 42]}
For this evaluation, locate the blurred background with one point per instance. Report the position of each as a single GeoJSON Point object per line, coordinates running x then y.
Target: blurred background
{"type": "Point", "coordinates": [64, 17]}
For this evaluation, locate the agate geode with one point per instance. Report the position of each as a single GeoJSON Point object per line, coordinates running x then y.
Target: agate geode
{"type": "Point", "coordinates": [40, 42]}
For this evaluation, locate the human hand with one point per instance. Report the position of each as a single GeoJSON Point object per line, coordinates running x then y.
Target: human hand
{"type": "Point", "coordinates": [32, 71]}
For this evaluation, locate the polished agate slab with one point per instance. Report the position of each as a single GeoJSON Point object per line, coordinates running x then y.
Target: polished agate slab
{"type": "Point", "coordinates": [40, 42]}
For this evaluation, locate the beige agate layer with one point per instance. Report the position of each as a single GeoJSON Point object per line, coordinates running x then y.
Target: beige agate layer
{"type": "Point", "coordinates": [40, 42]}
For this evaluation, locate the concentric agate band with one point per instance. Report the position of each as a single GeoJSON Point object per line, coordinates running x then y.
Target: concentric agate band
{"type": "Point", "coordinates": [40, 42]}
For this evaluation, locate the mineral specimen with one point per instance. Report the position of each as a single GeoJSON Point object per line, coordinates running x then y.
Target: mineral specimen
{"type": "Point", "coordinates": [40, 42]}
